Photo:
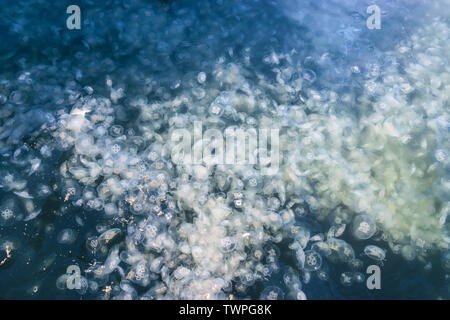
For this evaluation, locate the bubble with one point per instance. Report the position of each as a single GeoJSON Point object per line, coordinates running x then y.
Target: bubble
{"type": "Point", "coordinates": [364, 227]}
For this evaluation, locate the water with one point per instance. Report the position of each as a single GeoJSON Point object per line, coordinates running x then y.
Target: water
{"type": "Point", "coordinates": [89, 179]}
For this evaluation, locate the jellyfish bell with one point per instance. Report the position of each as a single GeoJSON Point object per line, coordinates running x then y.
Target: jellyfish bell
{"type": "Point", "coordinates": [66, 236]}
{"type": "Point", "coordinates": [272, 293]}
{"type": "Point", "coordinates": [364, 227]}
{"type": "Point", "coordinates": [346, 279]}
{"type": "Point", "coordinates": [10, 211]}
{"type": "Point", "coordinates": [313, 261]}
{"type": "Point", "coordinates": [375, 253]}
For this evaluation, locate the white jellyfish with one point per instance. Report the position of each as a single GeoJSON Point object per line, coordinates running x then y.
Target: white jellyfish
{"type": "Point", "coordinates": [364, 227]}
{"type": "Point", "coordinates": [375, 253]}
{"type": "Point", "coordinates": [66, 236]}
{"type": "Point", "coordinates": [313, 261]}
{"type": "Point", "coordinates": [272, 293]}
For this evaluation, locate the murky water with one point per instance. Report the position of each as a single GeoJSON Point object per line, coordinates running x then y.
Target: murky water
{"type": "Point", "coordinates": [94, 178]}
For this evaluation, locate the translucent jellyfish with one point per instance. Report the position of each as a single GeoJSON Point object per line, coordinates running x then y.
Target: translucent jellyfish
{"type": "Point", "coordinates": [138, 207]}
{"type": "Point", "coordinates": [355, 264]}
{"type": "Point", "coordinates": [66, 236]}
{"type": "Point", "coordinates": [346, 279]}
{"type": "Point", "coordinates": [313, 261]}
{"type": "Point", "coordinates": [445, 261]}
{"type": "Point", "coordinates": [322, 275]}
{"type": "Point", "coordinates": [227, 244]}
{"type": "Point", "coordinates": [375, 253]}
{"type": "Point", "coordinates": [181, 272]}
{"type": "Point", "coordinates": [408, 252]}
{"type": "Point", "coordinates": [108, 236]}
{"type": "Point", "coordinates": [70, 190]}
{"type": "Point", "coordinates": [111, 209]}
{"type": "Point", "coordinates": [61, 281]}
{"type": "Point", "coordinates": [272, 293]}
{"type": "Point", "coordinates": [358, 277]}
{"type": "Point", "coordinates": [116, 131]}
{"type": "Point", "coordinates": [215, 110]}
{"type": "Point", "coordinates": [309, 76]}
{"type": "Point", "coordinates": [340, 250]}
{"type": "Point", "coordinates": [364, 227]}
{"type": "Point", "coordinates": [300, 295]}
{"type": "Point", "coordinates": [336, 231]}
{"type": "Point", "coordinates": [6, 216]}
{"type": "Point", "coordinates": [322, 248]}
{"type": "Point", "coordinates": [201, 77]}
{"type": "Point", "coordinates": [301, 257]}
{"type": "Point", "coordinates": [248, 278]}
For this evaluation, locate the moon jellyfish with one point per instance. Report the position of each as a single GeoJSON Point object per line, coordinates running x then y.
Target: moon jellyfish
{"type": "Point", "coordinates": [375, 253]}
{"type": "Point", "coordinates": [364, 227]}
{"type": "Point", "coordinates": [272, 293]}
{"type": "Point", "coordinates": [445, 261]}
{"type": "Point", "coordinates": [300, 295]}
{"type": "Point", "coordinates": [340, 250]}
{"type": "Point", "coordinates": [358, 277]}
{"type": "Point", "coordinates": [66, 236]}
{"type": "Point", "coordinates": [309, 76]}
{"type": "Point", "coordinates": [408, 252]}
{"type": "Point", "coordinates": [301, 257]}
{"type": "Point", "coordinates": [8, 212]}
{"type": "Point", "coordinates": [355, 264]}
{"type": "Point", "coordinates": [313, 261]}
{"type": "Point", "coordinates": [322, 248]}
{"type": "Point", "coordinates": [227, 244]}
{"type": "Point", "coordinates": [201, 77]}
{"type": "Point", "coordinates": [322, 275]}
{"type": "Point", "coordinates": [346, 279]}
{"type": "Point", "coordinates": [248, 278]}
{"type": "Point", "coordinates": [108, 236]}
{"type": "Point", "coordinates": [116, 131]}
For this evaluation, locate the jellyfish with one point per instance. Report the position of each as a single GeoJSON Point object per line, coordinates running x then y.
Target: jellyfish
{"type": "Point", "coordinates": [445, 260]}
{"type": "Point", "coordinates": [346, 279]}
{"type": "Point", "coordinates": [408, 252]}
{"type": "Point", "coordinates": [375, 253]}
{"type": "Point", "coordinates": [358, 277]}
{"type": "Point", "coordinates": [313, 261]}
{"type": "Point", "coordinates": [272, 293]}
{"type": "Point", "coordinates": [66, 236]}
{"type": "Point", "coordinates": [364, 227]}
{"type": "Point", "coordinates": [227, 244]}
